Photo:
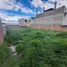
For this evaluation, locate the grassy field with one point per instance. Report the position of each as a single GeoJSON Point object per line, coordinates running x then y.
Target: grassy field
{"type": "Point", "coordinates": [36, 48]}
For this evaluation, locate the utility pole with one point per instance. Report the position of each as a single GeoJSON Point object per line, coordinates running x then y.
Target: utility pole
{"type": "Point", "coordinates": [36, 11]}
{"type": "Point", "coordinates": [55, 5]}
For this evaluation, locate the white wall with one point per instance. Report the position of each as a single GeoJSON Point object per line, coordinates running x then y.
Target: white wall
{"type": "Point", "coordinates": [64, 22]}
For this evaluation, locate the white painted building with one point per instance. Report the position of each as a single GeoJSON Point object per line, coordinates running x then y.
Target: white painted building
{"type": "Point", "coordinates": [52, 17]}
{"type": "Point", "coordinates": [24, 22]}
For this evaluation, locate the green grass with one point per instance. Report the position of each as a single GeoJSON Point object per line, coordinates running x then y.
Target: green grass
{"type": "Point", "coordinates": [39, 48]}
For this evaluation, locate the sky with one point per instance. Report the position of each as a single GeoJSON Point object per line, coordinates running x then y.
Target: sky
{"type": "Point", "coordinates": [15, 9]}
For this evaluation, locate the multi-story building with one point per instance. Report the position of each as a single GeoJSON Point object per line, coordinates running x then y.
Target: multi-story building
{"type": "Point", "coordinates": [24, 22]}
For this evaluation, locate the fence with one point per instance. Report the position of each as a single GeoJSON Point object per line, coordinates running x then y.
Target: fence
{"type": "Point", "coordinates": [49, 27]}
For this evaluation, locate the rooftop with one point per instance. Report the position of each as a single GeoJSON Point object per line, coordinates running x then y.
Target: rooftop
{"type": "Point", "coordinates": [51, 12]}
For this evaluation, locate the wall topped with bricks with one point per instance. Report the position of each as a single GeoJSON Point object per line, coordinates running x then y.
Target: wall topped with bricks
{"type": "Point", "coordinates": [53, 17]}
{"type": "Point", "coordinates": [49, 27]}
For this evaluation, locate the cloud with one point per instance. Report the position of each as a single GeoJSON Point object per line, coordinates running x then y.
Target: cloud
{"type": "Point", "coordinates": [49, 3]}
{"type": "Point", "coordinates": [25, 8]}
{"type": "Point", "coordinates": [15, 18]}
{"type": "Point", "coordinates": [37, 3]}
{"type": "Point", "coordinates": [10, 4]}
{"type": "Point", "coordinates": [4, 5]}
{"type": "Point", "coordinates": [10, 10]}
{"type": "Point", "coordinates": [62, 2]}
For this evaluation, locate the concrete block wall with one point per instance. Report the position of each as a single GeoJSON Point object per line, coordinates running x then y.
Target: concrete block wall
{"type": "Point", "coordinates": [50, 20]}
{"type": "Point", "coordinates": [53, 17]}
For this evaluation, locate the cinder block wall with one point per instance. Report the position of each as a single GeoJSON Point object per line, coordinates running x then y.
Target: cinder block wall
{"type": "Point", "coordinates": [53, 17]}
{"type": "Point", "coordinates": [50, 20]}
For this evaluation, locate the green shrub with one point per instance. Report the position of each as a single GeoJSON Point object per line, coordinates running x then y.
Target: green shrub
{"type": "Point", "coordinates": [39, 48]}
{"type": "Point", "coordinates": [62, 34]}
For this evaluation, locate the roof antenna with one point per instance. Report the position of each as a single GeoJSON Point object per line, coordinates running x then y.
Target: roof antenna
{"type": "Point", "coordinates": [43, 9]}
{"type": "Point", "coordinates": [55, 5]}
{"type": "Point", "coordinates": [36, 11]}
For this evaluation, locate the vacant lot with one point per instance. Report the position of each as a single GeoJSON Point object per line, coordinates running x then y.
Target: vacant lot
{"type": "Point", "coordinates": [35, 48]}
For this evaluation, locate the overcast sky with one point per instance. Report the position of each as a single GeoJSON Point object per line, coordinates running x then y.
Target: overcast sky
{"type": "Point", "coordinates": [14, 9]}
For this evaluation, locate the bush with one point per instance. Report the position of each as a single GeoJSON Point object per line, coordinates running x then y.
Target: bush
{"type": "Point", "coordinates": [39, 48]}
{"type": "Point", "coordinates": [62, 34]}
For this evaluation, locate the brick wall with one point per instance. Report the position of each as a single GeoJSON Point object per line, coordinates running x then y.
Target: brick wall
{"type": "Point", "coordinates": [49, 27]}
{"type": "Point", "coordinates": [1, 36]}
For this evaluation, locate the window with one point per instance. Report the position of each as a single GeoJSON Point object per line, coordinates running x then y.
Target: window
{"type": "Point", "coordinates": [33, 17]}
{"type": "Point", "coordinates": [65, 14]}
{"type": "Point", "coordinates": [25, 20]}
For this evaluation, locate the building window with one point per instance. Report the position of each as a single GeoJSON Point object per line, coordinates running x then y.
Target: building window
{"type": "Point", "coordinates": [25, 20]}
{"type": "Point", "coordinates": [33, 17]}
{"type": "Point", "coordinates": [65, 14]}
